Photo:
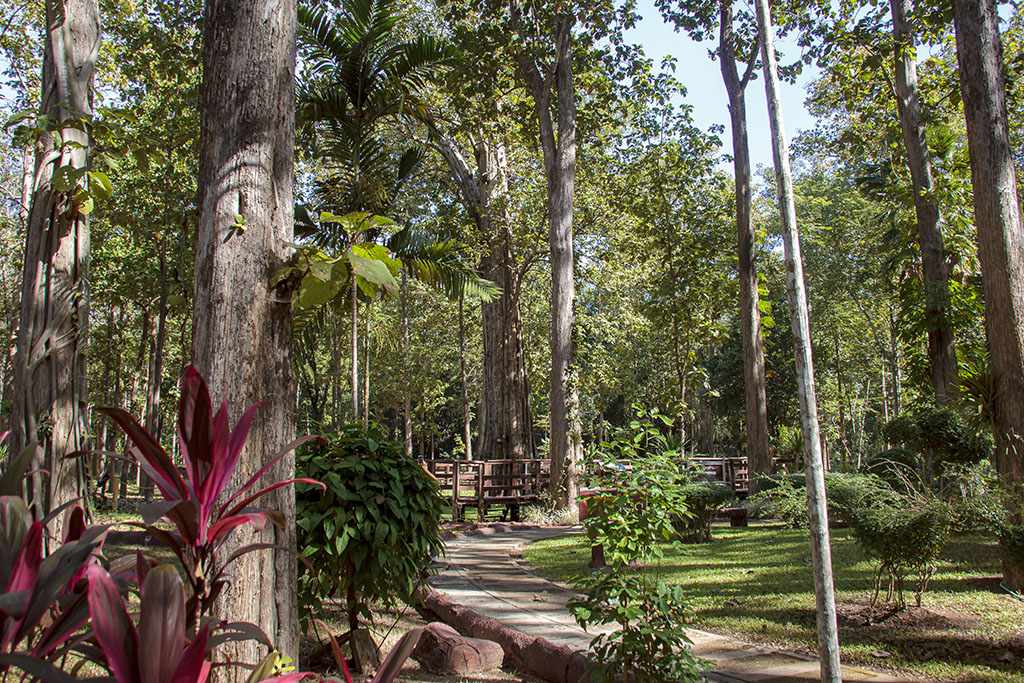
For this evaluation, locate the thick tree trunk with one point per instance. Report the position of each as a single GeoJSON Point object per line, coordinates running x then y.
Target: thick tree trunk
{"type": "Point", "coordinates": [758, 455]}
{"type": "Point", "coordinates": [941, 348]}
{"type": "Point", "coordinates": [1000, 240]}
{"type": "Point", "coordinates": [505, 424]}
{"type": "Point", "coordinates": [821, 551]}
{"type": "Point", "coordinates": [242, 329]}
{"type": "Point", "coordinates": [50, 367]}
{"type": "Point", "coordinates": [559, 145]}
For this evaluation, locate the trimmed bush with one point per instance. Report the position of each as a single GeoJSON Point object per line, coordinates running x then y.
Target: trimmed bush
{"type": "Point", "coordinates": [702, 500]}
{"type": "Point", "coordinates": [371, 534]}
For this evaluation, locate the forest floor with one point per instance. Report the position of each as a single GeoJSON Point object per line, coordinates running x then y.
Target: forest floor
{"type": "Point", "coordinates": [755, 584]}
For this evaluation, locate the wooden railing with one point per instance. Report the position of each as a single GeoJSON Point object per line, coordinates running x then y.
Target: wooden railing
{"type": "Point", "coordinates": [486, 483]}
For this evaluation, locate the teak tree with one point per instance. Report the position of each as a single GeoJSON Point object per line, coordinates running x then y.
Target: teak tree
{"type": "Point", "coordinates": [50, 367]}
{"type": "Point", "coordinates": [1000, 244]}
{"type": "Point", "coordinates": [242, 327]}
{"type": "Point", "coordinates": [551, 83]}
{"type": "Point", "coordinates": [698, 19]}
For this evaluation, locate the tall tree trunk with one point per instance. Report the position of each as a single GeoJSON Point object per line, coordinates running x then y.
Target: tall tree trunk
{"type": "Point", "coordinates": [758, 456]}
{"type": "Point", "coordinates": [156, 367]}
{"type": "Point", "coordinates": [242, 329]}
{"type": "Point", "coordinates": [407, 396]}
{"type": "Point", "coordinates": [505, 423]}
{"type": "Point", "coordinates": [821, 551]}
{"type": "Point", "coordinates": [559, 145]}
{"type": "Point", "coordinates": [354, 348]}
{"type": "Point", "coordinates": [337, 343]}
{"type": "Point", "coordinates": [941, 349]}
{"type": "Point", "coordinates": [1000, 243]}
{"type": "Point", "coordinates": [366, 368]}
{"type": "Point", "coordinates": [467, 430]}
{"type": "Point", "coordinates": [50, 370]}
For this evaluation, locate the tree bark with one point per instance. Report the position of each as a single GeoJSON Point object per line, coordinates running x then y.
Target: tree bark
{"type": "Point", "coordinates": [354, 348]}
{"type": "Point", "coordinates": [50, 370]}
{"type": "Point", "coordinates": [758, 456]}
{"type": "Point", "coordinates": [559, 145]}
{"type": "Point", "coordinates": [242, 339]}
{"type": "Point", "coordinates": [505, 423]}
{"type": "Point", "coordinates": [156, 368]}
{"type": "Point", "coordinates": [821, 551]}
{"type": "Point", "coordinates": [941, 348]}
{"type": "Point", "coordinates": [467, 430]}
{"type": "Point", "coordinates": [366, 368]}
{"type": "Point", "coordinates": [1000, 241]}
{"type": "Point", "coordinates": [407, 398]}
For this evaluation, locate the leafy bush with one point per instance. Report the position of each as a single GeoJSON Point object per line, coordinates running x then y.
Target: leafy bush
{"type": "Point", "coordinates": [370, 535]}
{"type": "Point", "coordinates": [702, 499]}
{"type": "Point", "coordinates": [651, 649]}
{"type": "Point", "coordinates": [784, 497]}
{"type": "Point", "coordinates": [902, 531]}
{"type": "Point", "coordinates": [640, 490]}
{"type": "Point", "coordinates": [942, 434]}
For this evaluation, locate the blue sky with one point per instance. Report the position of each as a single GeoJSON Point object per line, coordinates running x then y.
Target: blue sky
{"type": "Point", "coordinates": [705, 91]}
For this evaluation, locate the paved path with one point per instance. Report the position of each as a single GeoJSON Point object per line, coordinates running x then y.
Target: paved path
{"type": "Point", "coordinates": [483, 575]}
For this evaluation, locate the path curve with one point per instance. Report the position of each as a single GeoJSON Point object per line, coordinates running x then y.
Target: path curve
{"type": "Point", "coordinates": [482, 575]}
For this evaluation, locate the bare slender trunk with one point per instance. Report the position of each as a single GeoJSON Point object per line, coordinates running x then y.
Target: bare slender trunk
{"type": "Point", "coordinates": [50, 367]}
{"type": "Point", "coordinates": [758, 455]}
{"type": "Point", "coordinates": [242, 330]}
{"type": "Point", "coordinates": [354, 348]}
{"type": "Point", "coordinates": [156, 367]}
{"type": "Point", "coordinates": [467, 431]}
{"type": "Point", "coordinates": [941, 349]}
{"type": "Point", "coordinates": [407, 399]}
{"type": "Point", "coordinates": [1000, 243]}
{"type": "Point", "coordinates": [821, 550]}
{"type": "Point", "coordinates": [366, 369]}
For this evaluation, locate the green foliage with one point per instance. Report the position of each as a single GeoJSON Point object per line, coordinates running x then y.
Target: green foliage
{"type": "Point", "coordinates": [371, 534]}
{"type": "Point", "coordinates": [942, 433]}
{"type": "Point", "coordinates": [651, 645]}
{"type": "Point", "coordinates": [702, 499]}
{"type": "Point", "coordinates": [639, 489]}
{"type": "Point", "coordinates": [902, 531]}
{"type": "Point", "coordinates": [639, 493]}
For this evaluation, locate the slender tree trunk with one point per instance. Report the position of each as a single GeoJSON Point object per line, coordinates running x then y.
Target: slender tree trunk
{"type": "Point", "coordinates": [156, 368]}
{"type": "Point", "coordinates": [559, 145]}
{"type": "Point", "coordinates": [242, 329]}
{"type": "Point", "coordinates": [758, 456]}
{"type": "Point", "coordinates": [354, 349]}
{"type": "Point", "coordinates": [1000, 243]}
{"type": "Point", "coordinates": [941, 349]}
{"type": "Point", "coordinates": [50, 368]}
{"type": "Point", "coordinates": [337, 344]}
{"type": "Point", "coordinates": [366, 369]}
{"type": "Point", "coordinates": [407, 398]}
{"type": "Point", "coordinates": [821, 551]}
{"type": "Point", "coordinates": [467, 431]}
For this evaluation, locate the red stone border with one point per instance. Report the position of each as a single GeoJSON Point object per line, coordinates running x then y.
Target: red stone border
{"type": "Point", "coordinates": [537, 656]}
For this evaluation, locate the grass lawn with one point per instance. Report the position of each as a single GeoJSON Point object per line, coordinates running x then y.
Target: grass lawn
{"type": "Point", "coordinates": [755, 584]}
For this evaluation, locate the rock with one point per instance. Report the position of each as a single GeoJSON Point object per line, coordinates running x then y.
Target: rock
{"type": "Point", "coordinates": [442, 650]}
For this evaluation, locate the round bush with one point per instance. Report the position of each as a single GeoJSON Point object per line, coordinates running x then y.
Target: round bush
{"type": "Point", "coordinates": [371, 534]}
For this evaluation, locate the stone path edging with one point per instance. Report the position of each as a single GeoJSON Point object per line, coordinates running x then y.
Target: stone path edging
{"type": "Point", "coordinates": [485, 593]}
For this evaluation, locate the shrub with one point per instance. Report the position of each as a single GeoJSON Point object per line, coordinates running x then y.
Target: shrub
{"type": "Point", "coordinates": [902, 531]}
{"type": "Point", "coordinates": [702, 499]}
{"type": "Point", "coordinates": [370, 535]}
{"type": "Point", "coordinates": [640, 486]}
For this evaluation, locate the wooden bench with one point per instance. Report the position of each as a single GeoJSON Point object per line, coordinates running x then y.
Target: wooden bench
{"type": "Point", "coordinates": [484, 484]}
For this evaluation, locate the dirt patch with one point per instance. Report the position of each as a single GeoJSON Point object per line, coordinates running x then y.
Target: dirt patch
{"type": "Point", "coordinates": [862, 615]}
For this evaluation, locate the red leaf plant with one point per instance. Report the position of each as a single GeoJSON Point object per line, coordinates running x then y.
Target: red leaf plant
{"type": "Point", "coordinates": [211, 451]}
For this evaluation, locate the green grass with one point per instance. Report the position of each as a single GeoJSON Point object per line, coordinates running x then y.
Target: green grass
{"type": "Point", "coordinates": [756, 584]}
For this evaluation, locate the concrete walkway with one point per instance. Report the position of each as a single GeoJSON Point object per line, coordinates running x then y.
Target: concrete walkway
{"type": "Point", "coordinates": [483, 575]}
